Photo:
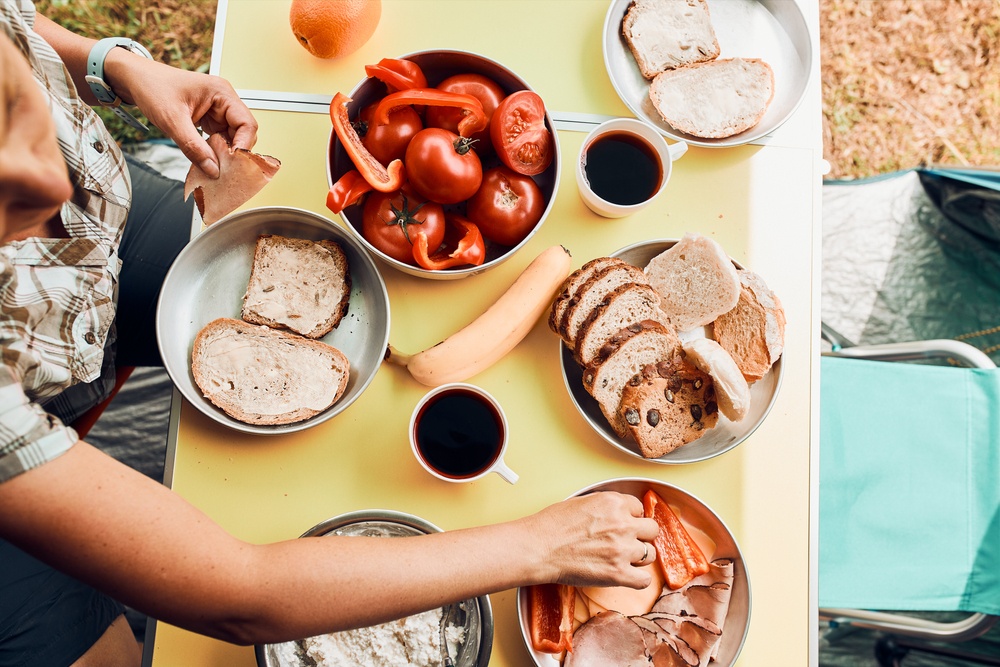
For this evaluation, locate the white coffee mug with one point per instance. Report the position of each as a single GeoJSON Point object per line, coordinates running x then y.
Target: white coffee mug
{"type": "Point", "coordinates": [647, 135]}
{"type": "Point", "coordinates": [458, 433]}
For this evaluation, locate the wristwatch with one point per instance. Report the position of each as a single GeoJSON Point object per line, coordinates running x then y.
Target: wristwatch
{"type": "Point", "coordinates": [95, 76]}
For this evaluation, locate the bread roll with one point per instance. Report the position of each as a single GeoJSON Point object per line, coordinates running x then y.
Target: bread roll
{"type": "Point", "coordinates": [731, 389]}
{"type": "Point", "coordinates": [753, 333]}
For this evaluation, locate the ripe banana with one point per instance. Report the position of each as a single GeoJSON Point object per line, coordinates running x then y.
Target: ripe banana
{"type": "Point", "coordinates": [496, 331]}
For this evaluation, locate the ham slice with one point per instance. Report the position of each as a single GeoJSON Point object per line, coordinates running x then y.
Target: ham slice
{"type": "Point", "coordinates": [242, 174]}
{"type": "Point", "coordinates": [610, 638]}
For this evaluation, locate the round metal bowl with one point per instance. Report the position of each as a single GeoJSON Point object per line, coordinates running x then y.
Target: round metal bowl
{"type": "Point", "coordinates": [209, 278]}
{"type": "Point", "coordinates": [437, 66]}
{"type": "Point", "coordinates": [694, 513]}
{"type": "Point", "coordinates": [718, 440]}
{"type": "Point", "coordinates": [773, 30]}
{"type": "Point", "coordinates": [474, 615]}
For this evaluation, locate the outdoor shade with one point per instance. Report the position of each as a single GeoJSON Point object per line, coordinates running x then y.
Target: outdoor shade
{"type": "Point", "coordinates": [909, 487]}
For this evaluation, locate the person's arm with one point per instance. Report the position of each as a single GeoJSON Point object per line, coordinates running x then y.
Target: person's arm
{"type": "Point", "coordinates": [110, 526]}
{"type": "Point", "coordinates": [175, 100]}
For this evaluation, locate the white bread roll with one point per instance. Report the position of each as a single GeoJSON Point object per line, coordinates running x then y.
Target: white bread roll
{"type": "Point", "coordinates": [731, 390]}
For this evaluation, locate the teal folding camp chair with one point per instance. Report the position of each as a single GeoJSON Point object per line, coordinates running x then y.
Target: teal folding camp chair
{"type": "Point", "coordinates": [910, 493]}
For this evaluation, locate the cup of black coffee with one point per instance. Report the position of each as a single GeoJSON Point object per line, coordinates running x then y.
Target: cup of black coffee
{"type": "Point", "coordinates": [458, 433]}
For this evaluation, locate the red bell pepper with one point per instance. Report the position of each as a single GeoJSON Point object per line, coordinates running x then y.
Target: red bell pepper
{"type": "Point", "coordinates": [474, 118]}
{"type": "Point", "coordinates": [463, 244]}
{"type": "Point", "coordinates": [397, 74]}
{"type": "Point", "coordinates": [679, 556]}
{"type": "Point", "coordinates": [382, 178]}
{"type": "Point", "coordinates": [551, 617]}
{"type": "Point", "coordinates": [347, 190]}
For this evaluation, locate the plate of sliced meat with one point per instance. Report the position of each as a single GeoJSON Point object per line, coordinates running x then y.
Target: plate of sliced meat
{"type": "Point", "coordinates": [695, 612]}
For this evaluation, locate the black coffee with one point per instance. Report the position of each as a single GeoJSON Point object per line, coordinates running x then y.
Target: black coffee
{"type": "Point", "coordinates": [623, 169]}
{"type": "Point", "coordinates": [459, 433]}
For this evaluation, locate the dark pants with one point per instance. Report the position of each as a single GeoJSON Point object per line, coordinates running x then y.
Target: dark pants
{"type": "Point", "coordinates": [46, 618]}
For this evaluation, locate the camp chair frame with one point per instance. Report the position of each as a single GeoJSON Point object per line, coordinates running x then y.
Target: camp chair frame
{"type": "Point", "coordinates": [969, 627]}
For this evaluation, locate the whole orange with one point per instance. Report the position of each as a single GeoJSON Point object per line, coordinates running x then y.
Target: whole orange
{"type": "Point", "coordinates": [334, 28]}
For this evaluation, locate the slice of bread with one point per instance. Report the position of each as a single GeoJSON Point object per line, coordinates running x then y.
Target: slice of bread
{"type": "Point", "coordinates": [611, 276]}
{"type": "Point", "coordinates": [716, 99]}
{"type": "Point", "coordinates": [731, 389]}
{"type": "Point", "coordinates": [569, 287]}
{"type": "Point", "coordinates": [668, 405]}
{"type": "Point", "coordinates": [297, 284]}
{"type": "Point", "coordinates": [627, 304]}
{"type": "Point", "coordinates": [696, 281]}
{"type": "Point", "coordinates": [261, 375]}
{"type": "Point", "coordinates": [620, 358]}
{"type": "Point", "coordinates": [753, 333]}
{"type": "Point", "coordinates": [664, 34]}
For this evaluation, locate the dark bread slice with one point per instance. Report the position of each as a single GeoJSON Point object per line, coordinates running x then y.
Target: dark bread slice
{"type": "Point", "coordinates": [569, 287]}
{"type": "Point", "coordinates": [753, 333]}
{"type": "Point", "coordinates": [261, 375]}
{"type": "Point", "coordinates": [627, 304]}
{"type": "Point", "coordinates": [298, 284]}
{"type": "Point", "coordinates": [608, 277]}
{"type": "Point", "coordinates": [668, 405]}
{"type": "Point", "coordinates": [624, 355]}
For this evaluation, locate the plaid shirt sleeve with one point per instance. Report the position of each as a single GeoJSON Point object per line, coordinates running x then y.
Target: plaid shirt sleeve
{"type": "Point", "coordinates": [29, 436]}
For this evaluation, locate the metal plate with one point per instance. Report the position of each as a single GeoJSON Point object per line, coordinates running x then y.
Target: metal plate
{"type": "Point", "coordinates": [694, 513]}
{"type": "Point", "coordinates": [726, 434]}
{"type": "Point", "coordinates": [772, 30]}
{"type": "Point", "coordinates": [474, 614]}
{"type": "Point", "coordinates": [209, 278]}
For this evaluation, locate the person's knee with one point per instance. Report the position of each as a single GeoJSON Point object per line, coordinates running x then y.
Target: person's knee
{"type": "Point", "coordinates": [115, 648]}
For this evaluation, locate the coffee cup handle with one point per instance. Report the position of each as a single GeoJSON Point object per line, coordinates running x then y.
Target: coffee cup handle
{"type": "Point", "coordinates": [501, 469]}
{"type": "Point", "coordinates": [676, 150]}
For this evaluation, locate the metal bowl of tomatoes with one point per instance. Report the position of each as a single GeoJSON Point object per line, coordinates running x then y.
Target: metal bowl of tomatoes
{"type": "Point", "coordinates": [462, 185]}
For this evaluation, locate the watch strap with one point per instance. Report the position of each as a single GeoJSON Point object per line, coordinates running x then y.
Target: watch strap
{"type": "Point", "coordinates": [95, 76]}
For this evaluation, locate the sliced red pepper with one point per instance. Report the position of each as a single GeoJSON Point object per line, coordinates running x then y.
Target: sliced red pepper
{"type": "Point", "coordinates": [473, 120]}
{"type": "Point", "coordinates": [551, 617]}
{"type": "Point", "coordinates": [382, 178]}
{"type": "Point", "coordinates": [347, 190]}
{"type": "Point", "coordinates": [397, 74]}
{"type": "Point", "coordinates": [463, 244]}
{"type": "Point", "coordinates": [679, 556]}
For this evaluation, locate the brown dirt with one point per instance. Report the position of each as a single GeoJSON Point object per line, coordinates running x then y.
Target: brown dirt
{"type": "Point", "coordinates": [909, 82]}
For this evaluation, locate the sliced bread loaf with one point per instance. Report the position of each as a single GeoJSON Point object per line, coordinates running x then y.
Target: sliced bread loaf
{"type": "Point", "coordinates": [297, 284]}
{"type": "Point", "coordinates": [261, 375]}
{"type": "Point", "coordinates": [613, 274]}
{"type": "Point", "coordinates": [569, 287]}
{"type": "Point", "coordinates": [668, 405]}
{"type": "Point", "coordinates": [696, 281]}
{"type": "Point", "coordinates": [753, 332]}
{"type": "Point", "coordinates": [620, 358]}
{"type": "Point", "coordinates": [731, 389]}
{"type": "Point", "coordinates": [663, 34]}
{"type": "Point", "coordinates": [627, 304]}
{"type": "Point", "coordinates": [714, 99]}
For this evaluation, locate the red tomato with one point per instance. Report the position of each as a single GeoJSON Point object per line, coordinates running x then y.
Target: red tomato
{"type": "Point", "coordinates": [507, 206]}
{"type": "Point", "coordinates": [519, 134]}
{"type": "Point", "coordinates": [482, 88]}
{"type": "Point", "coordinates": [441, 166]}
{"type": "Point", "coordinates": [388, 142]}
{"type": "Point", "coordinates": [390, 222]}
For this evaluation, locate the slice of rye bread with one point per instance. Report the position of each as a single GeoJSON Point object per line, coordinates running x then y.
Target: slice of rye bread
{"type": "Point", "coordinates": [569, 287]}
{"type": "Point", "coordinates": [753, 332]}
{"type": "Point", "coordinates": [696, 281]}
{"type": "Point", "coordinates": [664, 34]}
{"type": "Point", "coordinates": [590, 293]}
{"type": "Point", "coordinates": [668, 405]}
{"type": "Point", "coordinates": [261, 375]}
{"type": "Point", "coordinates": [626, 304]}
{"type": "Point", "coordinates": [298, 284]}
{"type": "Point", "coordinates": [620, 358]}
{"type": "Point", "coordinates": [714, 99]}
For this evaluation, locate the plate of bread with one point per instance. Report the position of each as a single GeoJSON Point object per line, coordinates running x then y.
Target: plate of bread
{"type": "Point", "coordinates": [709, 72]}
{"type": "Point", "coordinates": [670, 350]}
{"type": "Point", "coordinates": [272, 320]}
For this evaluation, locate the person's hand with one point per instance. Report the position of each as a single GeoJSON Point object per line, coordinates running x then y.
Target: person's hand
{"type": "Point", "coordinates": [179, 101]}
{"type": "Point", "coordinates": [597, 540]}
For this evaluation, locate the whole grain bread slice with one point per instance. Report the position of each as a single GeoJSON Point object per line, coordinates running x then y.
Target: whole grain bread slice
{"type": "Point", "coordinates": [664, 34]}
{"type": "Point", "coordinates": [753, 332]}
{"type": "Point", "coordinates": [607, 278]}
{"type": "Point", "coordinates": [627, 304]}
{"type": "Point", "coordinates": [714, 99]}
{"type": "Point", "coordinates": [298, 284]}
{"type": "Point", "coordinates": [569, 288]}
{"type": "Point", "coordinates": [261, 375]}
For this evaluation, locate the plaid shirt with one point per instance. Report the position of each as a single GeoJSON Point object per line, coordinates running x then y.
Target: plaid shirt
{"type": "Point", "coordinates": [57, 296]}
